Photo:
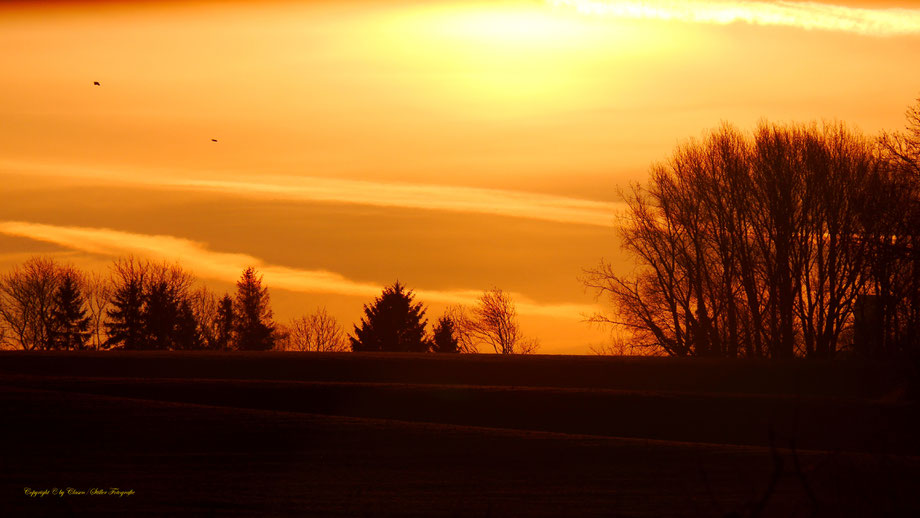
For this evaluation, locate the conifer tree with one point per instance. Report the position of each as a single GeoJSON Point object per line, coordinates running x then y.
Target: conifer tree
{"type": "Point", "coordinates": [225, 324]}
{"type": "Point", "coordinates": [254, 328]}
{"type": "Point", "coordinates": [159, 315]}
{"type": "Point", "coordinates": [443, 339]}
{"type": "Point", "coordinates": [125, 325]}
{"type": "Point", "coordinates": [168, 319]}
{"type": "Point", "coordinates": [393, 324]}
{"type": "Point", "coordinates": [186, 334]}
{"type": "Point", "coordinates": [70, 325]}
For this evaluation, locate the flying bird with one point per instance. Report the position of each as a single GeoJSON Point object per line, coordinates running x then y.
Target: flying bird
{"type": "Point", "coordinates": [96, 83]}
{"type": "Point", "coordinates": [213, 140]}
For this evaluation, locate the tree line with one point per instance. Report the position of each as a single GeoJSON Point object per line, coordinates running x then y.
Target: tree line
{"type": "Point", "coordinates": [791, 240]}
{"type": "Point", "coordinates": [148, 305]}
{"type": "Point", "coordinates": [140, 305]}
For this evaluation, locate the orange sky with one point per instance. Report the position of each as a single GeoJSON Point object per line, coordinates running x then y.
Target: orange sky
{"type": "Point", "coordinates": [455, 146]}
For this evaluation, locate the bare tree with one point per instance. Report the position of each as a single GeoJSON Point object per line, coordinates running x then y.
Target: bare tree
{"type": "Point", "coordinates": [492, 322]}
{"type": "Point", "coordinates": [463, 329]}
{"type": "Point", "coordinates": [298, 335]}
{"type": "Point", "coordinates": [317, 332]}
{"type": "Point", "coordinates": [282, 334]}
{"type": "Point", "coordinates": [3, 333]}
{"type": "Point", "coordinates": [98, 291]}
{"type": "Point", "coordinates": [904, 146]}
{"type": "Point", "coordinates": [620, 343]}
{"type": "Point", "coordinates": [496, 321]}
{"type": "Point", "coordinates": [657, 304]}
{"type": "Point", "coordinates": [204, 307]}
{"type": "Point", "coordinates": [328, 335]}
{"type": "Point", "coordinates": [895, 275]}
{"type": "Point", "coordinates": [747, 244]}
{"type": "Point", "coordinates": [172, 275]}
{"type": "Point", "coordinates": [843, 178]}
{"type": "Point", "coordinates": [527, 345]}
{"type": "Point", "coordinates": [27, 301]}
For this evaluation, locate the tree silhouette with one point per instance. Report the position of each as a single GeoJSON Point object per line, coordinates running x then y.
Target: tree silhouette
{"type": "Point", "coordinates": [393, 323]}
{"type": "Point", "coordinates": [202, 305]}
{"type": "Point", "coordinates": [225, 324]}
{"type": "Point", "coordinates": [169, 321]}
{"type": "Point", "coordinates": [151, 307]}
{"type": "Point", "coordinates": [98, 297]}
{"type": "Point", "coordinates": [463, 326]}
{"type": "Point", "coordinates": [750, 244]}
{"type": "Point", "coordinates": [317, 332]}
{"type": "Point", "coordinates": [904, 146]}
{"type": "Point", "coordinates": [327, 334]}
{"type": "Point", "coordinates": [27, 300]}
{"type": "Point", "coordinates": [496, 321]}
{"type": "Point", "coordinates": [186, 334]}
{"type": "Point", "coordinates": [492, 322]}
{"type": "Point", "coordinates": [254, 327]}
{"type": "Point", "coordinates": [159, 316]}
{"type": "Point", "coordinates": [213, 318]}
{"type": "Point", "coordinates": [443, 339]}
{"type": "Point", "coordinates": [125, 325]}
{"type": "Point", "coordinates": [895, 275]}
{"type": "Point", "coordinates": [70, 323]}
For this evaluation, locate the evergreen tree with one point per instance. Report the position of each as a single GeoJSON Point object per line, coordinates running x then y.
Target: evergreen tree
{"type": "Point", "coordinates": [225, 324]}
{"type": "Point", "coordinates": [186, 333]}
{"type": "Point", "coordinates": [152, 308]}
{"type": "Point", "coordinates": [125, 325]}
{"type": "Point", "coordinates": [70, 325]}
{"type": "Point", "coordinates": [169, 321]}
{"type": "Point", "coordinates": [159, 316]}
{"type": "Point", "coordinates": [393, 324]}
{"type": "Point", "coordinates": [443, 339]}
{"type": "Point", "coordinates": [254, 328]}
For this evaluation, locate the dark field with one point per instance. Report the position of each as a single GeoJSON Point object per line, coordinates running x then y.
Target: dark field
{"type": "Point", "coordinates": [278, 434]}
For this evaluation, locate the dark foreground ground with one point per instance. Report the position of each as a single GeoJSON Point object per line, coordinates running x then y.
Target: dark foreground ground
{"type": "Point", "coordinates": [414, 435]}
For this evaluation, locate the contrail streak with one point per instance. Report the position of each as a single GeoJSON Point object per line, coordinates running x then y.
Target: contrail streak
{"type": "Point", "coordinates": [802, 15]}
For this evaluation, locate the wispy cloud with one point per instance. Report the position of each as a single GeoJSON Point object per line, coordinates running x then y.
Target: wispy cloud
{"type": "Point", "coordinates": [518, 204]}
{"type": "Point", "coordinates": [475, 200]}
{"type": "Point", "coordinates": [226, 267]}
{"type": "Point", "coordinates": [802, 15]}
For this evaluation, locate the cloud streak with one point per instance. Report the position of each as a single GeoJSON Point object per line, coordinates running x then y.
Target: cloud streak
{"type": "Point", "coordinates": [226, 267]}
{"type": "Point", "coordinates": [458, 199]}
{"type": "Point", "coordinates": [558, 209]}
{"type": "Point", "coordinates": [801, 15]}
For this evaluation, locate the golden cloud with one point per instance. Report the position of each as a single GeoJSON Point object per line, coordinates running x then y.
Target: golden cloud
{"type": "Point", "coordinates": [498, 202]}
{"type": "Point", "coordinates": [226, 267]}
{"type": "Point", "coordinates": [801, 15]}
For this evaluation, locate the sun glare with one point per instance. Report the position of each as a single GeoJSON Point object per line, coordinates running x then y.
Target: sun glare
{"type": "Point", "coordinates": [513, 56]}
{"type": "Point", "coordinates": [507, 26]}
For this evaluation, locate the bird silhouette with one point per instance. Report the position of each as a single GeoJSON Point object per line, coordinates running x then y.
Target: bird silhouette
{"type": "Point", "coordinates": [96, 83]}
{"type": "Point", "coordinates": [213, 140]}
